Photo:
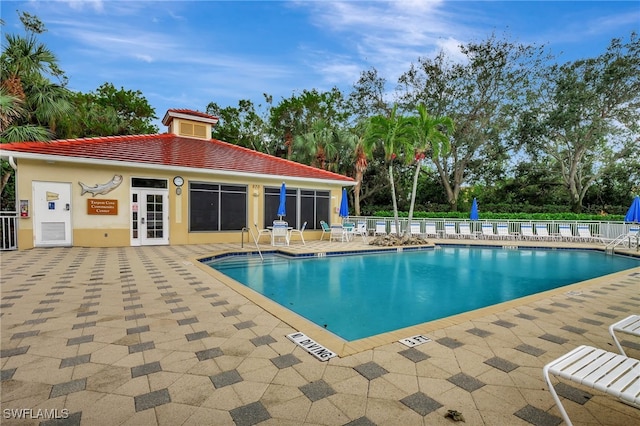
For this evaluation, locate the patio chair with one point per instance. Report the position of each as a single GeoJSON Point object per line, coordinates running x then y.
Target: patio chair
{"type": "Point", "coordinates": [487, 231]}
{"type": "Point", "coordinates": [337, 233]}
{"type": "Point", "coordinates": [393, 230]}
{"type": "Point", "coordinates": [349, 230]}
{"type": "Point", "coordinates": [280, 235]}
{"type": "Point", "coordinates": [608, 372]}
{"type": "Point", "coordinates": [261, 232]}
{"type": "Point", "coordinates": [543, 232]}
{"type": "Point", "coordinates": [566, 233]}
{"type": "Point", "coordinates": [415, 229]}
{"type": "Point", "coordinates": [326, 229]}
{"type": "Point", "coordinates": [430, 229]}
{"type": "Point", "coordinates": [450, 230]}
{"type": "Point", "coordinates": [465, 230]}
{"type": "Point", "coordinates": [503, 232]}
{"type": "Point", "coordinates": [361, 229]}
{"type": "Point", "coordinates": [381, 228]}
{"type": "Point", "coordinates": [584, 234]}
{"type": "Point", "coordinates": [298, 232]}
{"type": "Point", "coordinates": [526, 232]}
{"type": "Point", "coordinates": [629, 325]}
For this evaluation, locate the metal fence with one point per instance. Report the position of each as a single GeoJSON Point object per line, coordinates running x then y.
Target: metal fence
{"type": "Point", "coordinates": [605, 230]}
{"type": "Point", "coordinates": [8, 230]}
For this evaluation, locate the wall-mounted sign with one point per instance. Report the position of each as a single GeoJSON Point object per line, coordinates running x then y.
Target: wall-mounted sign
{"type": "Point", "coordinates": [102, 189]}
{"type": "Point", "coordinates": [105, 207]}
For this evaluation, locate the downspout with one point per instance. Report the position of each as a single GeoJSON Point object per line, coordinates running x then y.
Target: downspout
{"type": "Point", "coordinates": [12, 163]}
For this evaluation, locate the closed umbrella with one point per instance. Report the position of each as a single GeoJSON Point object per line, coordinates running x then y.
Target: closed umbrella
{"type": "Point", "coordinates": [633, 215]}
{"type": "Point", "coordinates": [474, 210]}
{"type": "Point", "coordinates": [282, 209]}
{"type": "Point", "coordinates": [344, 204]}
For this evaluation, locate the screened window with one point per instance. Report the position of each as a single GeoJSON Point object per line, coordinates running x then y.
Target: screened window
{"type": "Point", "coordinates": [217, 207]}
{"type": "Point", "coordinates": [302, 205]}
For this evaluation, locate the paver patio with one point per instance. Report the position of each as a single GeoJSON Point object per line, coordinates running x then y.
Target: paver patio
{"type": "Point", "coordinates": [142, 336]}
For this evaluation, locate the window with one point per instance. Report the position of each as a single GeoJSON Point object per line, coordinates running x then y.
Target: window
{"type": "Point", "coordinates": [302, 205]}
{"type": "Point", "coordinates": [217, 207]}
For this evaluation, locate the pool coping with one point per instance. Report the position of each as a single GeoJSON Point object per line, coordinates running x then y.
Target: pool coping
{"type": "Point", "coordinates": [345, 348]}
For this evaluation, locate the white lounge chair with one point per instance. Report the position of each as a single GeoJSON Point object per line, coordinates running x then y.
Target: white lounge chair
{"type": "Point", "coordinates": [465, 230]}
{"type": "Point", "coordinates": [450, 230]}
{"type": "Point", "coordinates": [608, 372]}
{"type": "Point", "coordinates": [393, 230]}
{"type": "Point", "coordinates": [381, 228]}
{"type": "Point", "coordinates": [298, 232]}
{"type": "Point", "coordinates": [415, 229]}
{"type": "Point", "coordinates": [565, 233]}
{"type": "Point", "coordinates": [584, 234]}
{"type": "Point", "coordinates": [487, 231]}
{"type": "Point", "coordinates": [526, 232]}
{"type": "Point", "coordinates": [503, 232]}
{"type": "Point", "coordinates": [430, 229]}
{"type": "Point", "coordinates": [629, 325]}
{"type": "Point", "coordinates": [543, 232]}
{"type": "Point", "coordinates": [337, 233]}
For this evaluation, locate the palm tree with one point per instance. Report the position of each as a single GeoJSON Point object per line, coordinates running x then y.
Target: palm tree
{"type": "Point", "coordinates": [24, 65]}
{"type": "Point", "coordinates": [396, 133]}
{"type": "Point", "coordinates": [316, 147]}
{"type": "Point", "coordinates": [432, 138]}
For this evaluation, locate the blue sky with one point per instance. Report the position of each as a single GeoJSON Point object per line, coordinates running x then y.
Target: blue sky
{"type": "Point", "coordinates": [185, 54]}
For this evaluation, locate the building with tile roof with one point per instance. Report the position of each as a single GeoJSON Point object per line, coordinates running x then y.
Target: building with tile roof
{"type": "Point", "coordinates": [179, 187]}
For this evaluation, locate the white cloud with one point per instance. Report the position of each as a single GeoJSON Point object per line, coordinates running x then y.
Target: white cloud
{"type": "Point", "coordinates": [96, 5]}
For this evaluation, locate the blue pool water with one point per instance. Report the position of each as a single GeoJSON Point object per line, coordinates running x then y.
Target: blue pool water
{"type": "Point", "coordinates": [361, 296]}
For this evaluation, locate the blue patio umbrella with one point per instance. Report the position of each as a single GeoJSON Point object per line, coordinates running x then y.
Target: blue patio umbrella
{"type": "Point", "coordinates": [282, 209]}
{"type": "Point", "coordinates": [474, 210]}
{"type": "Point", "coordinates": [633, 215]}
{"type": "Point", "coordinates": [344, 204]}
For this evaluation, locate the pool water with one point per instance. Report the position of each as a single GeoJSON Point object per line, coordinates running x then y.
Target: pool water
{"type": "Point", "coordinates": [364, 295]}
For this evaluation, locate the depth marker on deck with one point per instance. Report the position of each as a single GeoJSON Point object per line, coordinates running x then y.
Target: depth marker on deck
{"type": "Point", "coordinates": [416, 340]}
{"type": "Point", "coordinates": [309, 345]}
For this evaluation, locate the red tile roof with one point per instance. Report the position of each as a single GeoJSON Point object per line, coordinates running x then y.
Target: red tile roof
{"type": "Point", "coordinates": [193, 115]}
{"type": "Point", "coordinates": [169, 150]}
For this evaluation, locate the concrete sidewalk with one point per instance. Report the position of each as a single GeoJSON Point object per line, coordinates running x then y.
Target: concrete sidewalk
{"type": "Point", "coordinates": [142, 336]}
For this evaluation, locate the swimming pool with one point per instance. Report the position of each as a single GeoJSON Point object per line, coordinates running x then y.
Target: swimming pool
{"type": "Point", "coordinates": [360, 296]}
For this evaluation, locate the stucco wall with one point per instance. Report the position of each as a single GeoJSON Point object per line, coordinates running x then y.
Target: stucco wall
{"type": "Point", "coordinates": [114, 230]}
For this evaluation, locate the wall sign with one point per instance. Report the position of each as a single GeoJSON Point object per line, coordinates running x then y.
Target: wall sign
{"type": "Point", "coordinates": [102, 207]}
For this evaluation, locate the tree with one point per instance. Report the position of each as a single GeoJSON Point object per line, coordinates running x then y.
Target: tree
{"type": "Point", "coordinates": [587, 116]}
{"type": "Point", "coordinates": [481, 95]}
{"type": "Point", "coordinates": [396, 134]}
{"type": "Point", "coordinates": [26, 65]}
{"type": "Point", "coordinates": [296, 115]}
{"type": "Point", "coordinates": [108, 112]}
{"type": "Point", "coordinates": [241, 125]}
{"type": "Point", "coordinates": [432, 139]}
{"type": "Point", "coordinates": [30, 104]}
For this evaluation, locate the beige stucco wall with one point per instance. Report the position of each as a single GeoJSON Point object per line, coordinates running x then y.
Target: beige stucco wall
{"type": "Point", "coordinates": [113, 230]}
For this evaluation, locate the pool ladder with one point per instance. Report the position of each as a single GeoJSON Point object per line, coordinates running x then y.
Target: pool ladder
{"type": "Point", "coordinates": [255, 240]}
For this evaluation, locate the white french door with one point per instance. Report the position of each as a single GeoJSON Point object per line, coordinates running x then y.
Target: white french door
{"type": "Point", "coordinates": [149, 217]}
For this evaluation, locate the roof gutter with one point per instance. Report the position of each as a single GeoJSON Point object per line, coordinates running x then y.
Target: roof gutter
{"type": "Point", "coordinates": [79, 160]}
